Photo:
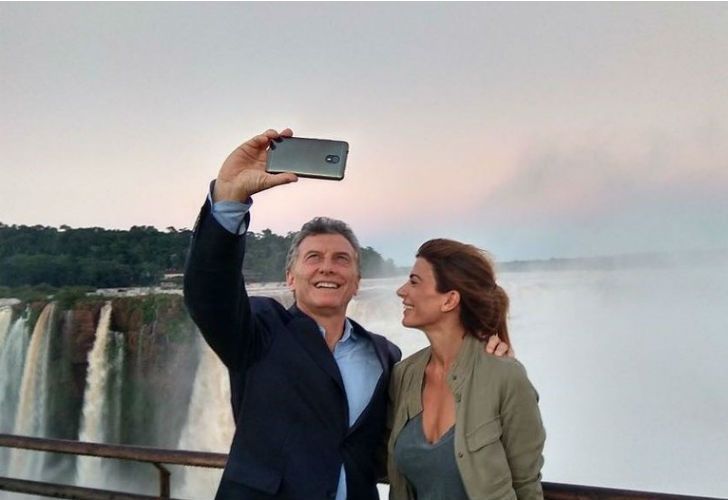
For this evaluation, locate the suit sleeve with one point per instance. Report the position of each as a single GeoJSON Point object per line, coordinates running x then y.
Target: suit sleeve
{"type": "Point", "coordinates": [523, 433]}
{"type": "Point", "coordinates": [214, 290]}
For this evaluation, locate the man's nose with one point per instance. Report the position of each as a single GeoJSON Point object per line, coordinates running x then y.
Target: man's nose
{"type": "Point", "coordinates": [326, 266]}
{"type": "Point", "coordinates": [400, 292]}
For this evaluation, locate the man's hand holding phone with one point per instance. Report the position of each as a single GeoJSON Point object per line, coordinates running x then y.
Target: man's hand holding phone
{"type": "Point", "coordinates": [243, 172]}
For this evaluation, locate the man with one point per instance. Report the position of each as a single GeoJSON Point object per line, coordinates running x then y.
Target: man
{"type": "Point", "coordinates": [308, 385]}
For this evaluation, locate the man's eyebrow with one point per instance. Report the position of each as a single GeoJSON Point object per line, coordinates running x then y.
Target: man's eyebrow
{"type": "Point", "coordinates": [413, 275]}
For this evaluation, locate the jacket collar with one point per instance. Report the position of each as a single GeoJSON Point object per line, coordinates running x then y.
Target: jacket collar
{"type": "Point", "coordinates": [459, 372]}
{"type": "Point", "coordinates": [307, 333]}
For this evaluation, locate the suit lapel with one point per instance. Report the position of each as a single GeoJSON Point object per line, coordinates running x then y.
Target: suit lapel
{"type": "Point", "coordinates": [307, 333]}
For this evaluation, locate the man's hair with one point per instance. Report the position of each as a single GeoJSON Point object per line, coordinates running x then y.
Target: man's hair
{"type": "Point", "coordinates": [323, 225]}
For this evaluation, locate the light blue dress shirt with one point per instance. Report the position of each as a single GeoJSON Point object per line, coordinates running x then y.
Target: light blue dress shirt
{"type": "Point", "coordinates": [360, 370]}
{"type": "Point", "coordinates": [354, 354]}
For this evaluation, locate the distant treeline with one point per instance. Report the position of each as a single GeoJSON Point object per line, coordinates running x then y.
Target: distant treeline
{"type": "Point", "coordinates": [141, 256]}
{"type": "Point", "coordinates": [652, 260]}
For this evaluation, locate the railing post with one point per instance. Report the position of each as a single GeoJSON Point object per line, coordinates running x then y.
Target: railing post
{"type": "Point", "coordinates": [164, 476]}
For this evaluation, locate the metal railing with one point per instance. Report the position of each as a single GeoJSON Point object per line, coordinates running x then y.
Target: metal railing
{"type": "Point", "coordinates": [160, 457]}
{"type": "Point", "coordinates": [155, 456]}
{"type": "Point", "coordinates": [560, 491]}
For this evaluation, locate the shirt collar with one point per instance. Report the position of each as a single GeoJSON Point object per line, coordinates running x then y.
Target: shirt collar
{"type": "Point", "coordinates": [348, 332]}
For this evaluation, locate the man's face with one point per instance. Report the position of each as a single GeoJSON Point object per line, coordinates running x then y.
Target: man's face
{"type": "Point", "coordinates": [325, 275]}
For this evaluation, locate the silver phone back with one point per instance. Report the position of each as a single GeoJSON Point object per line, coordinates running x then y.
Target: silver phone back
{"type": "Point", "coordinates": [318, 158]}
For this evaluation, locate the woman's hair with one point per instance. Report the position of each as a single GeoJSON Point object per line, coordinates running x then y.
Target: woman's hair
{"type": "Point", "coordinates": [469, 271]}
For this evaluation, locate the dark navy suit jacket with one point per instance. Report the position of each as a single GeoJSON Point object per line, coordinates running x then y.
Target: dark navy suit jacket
{"type": "Point", "coordinates": [288, 398]}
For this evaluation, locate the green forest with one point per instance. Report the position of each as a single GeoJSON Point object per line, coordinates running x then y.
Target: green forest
{"type": "Point", "coordinates": [141, 256]}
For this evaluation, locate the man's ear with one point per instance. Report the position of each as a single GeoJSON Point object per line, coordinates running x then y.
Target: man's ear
{"type": "Point", "coordinates": [452, 300]}
{"type": "Point", "coordinates": [290, 280]}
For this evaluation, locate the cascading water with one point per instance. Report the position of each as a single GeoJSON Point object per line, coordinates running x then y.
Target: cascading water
{"type": "Point", "coordinates": [209, 424]}
{"type": "Point", "coordinates": [68, 380]}
{"type": "Point", "coordinates": [12, 359]}
{"type": "Point", "coordinates": [31, 418]}
{"type": "Point", "coordinates": [100, 416]}
{"type": "Point", "coordinates": [6, 316]}
{"type": "Point", "coordinates": [115, 386]}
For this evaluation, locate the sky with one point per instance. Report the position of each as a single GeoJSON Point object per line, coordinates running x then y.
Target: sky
{"type": "Point", "coordinates": [531, 130]}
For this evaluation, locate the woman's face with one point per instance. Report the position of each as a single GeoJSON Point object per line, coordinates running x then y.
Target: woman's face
{"type": "Point", "coordinates": [422, 302]}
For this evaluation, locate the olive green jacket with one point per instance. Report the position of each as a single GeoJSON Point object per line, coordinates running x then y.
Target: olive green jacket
{"type": "Point", "coordinates": [499, 436]}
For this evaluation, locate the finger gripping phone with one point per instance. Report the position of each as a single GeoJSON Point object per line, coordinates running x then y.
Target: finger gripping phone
{"type": "Point", "coordinates": [315, 158]}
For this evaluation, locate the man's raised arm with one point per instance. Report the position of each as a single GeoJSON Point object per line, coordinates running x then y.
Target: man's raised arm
{"type": "Point", "coordinates": [214, 287]}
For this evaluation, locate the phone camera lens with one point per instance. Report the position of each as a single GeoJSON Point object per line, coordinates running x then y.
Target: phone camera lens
{"type": "Point", "coordinates": [332, 159]}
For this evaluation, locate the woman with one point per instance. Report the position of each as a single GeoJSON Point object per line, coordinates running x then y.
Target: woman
{"type": "Point", "coordinates": [464, 424]}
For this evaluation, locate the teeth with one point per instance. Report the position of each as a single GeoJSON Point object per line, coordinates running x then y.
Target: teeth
{"type": "Point", "coordinates": [325, 284]}
{"type": "Point", "coordinates": [407, 307]}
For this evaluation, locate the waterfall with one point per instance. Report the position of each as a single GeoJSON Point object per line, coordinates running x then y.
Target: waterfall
{"type": "Point", "coordinates": [12, 359]}
{"type": "Point", "coordinates": [31, 418]}
{"type": "Point", "coordinates": [115, 386]}
{"type": "Point", "coordinates": [98, 371]}
{"type": "Point", "coordinates": [6, 316]}
{"type": "Point", "coordinates": [209, 425]}
{"type": "Point", "coordinates": [102, 399]}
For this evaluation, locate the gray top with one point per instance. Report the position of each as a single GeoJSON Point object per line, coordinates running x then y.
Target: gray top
{"type": "Point", "coordinates": [430, 468]}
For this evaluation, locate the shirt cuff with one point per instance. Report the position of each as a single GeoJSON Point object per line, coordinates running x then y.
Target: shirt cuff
{"type": "Point", "coordinates": [230, 214]}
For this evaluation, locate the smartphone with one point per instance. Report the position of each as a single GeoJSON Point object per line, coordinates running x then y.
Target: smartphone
{"type": "Point", "coordinates": [316, 158]}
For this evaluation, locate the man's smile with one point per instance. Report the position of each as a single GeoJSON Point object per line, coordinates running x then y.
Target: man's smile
{"type": "Point", "coordinates": [327, 284]}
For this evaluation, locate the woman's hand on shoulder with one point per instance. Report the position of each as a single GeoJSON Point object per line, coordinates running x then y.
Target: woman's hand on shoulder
{"type": "Point", "coordinates": [497, 347]}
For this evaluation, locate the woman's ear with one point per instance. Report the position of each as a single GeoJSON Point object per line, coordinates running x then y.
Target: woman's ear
{"type": "Point", "coordinates": [452, 300]}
